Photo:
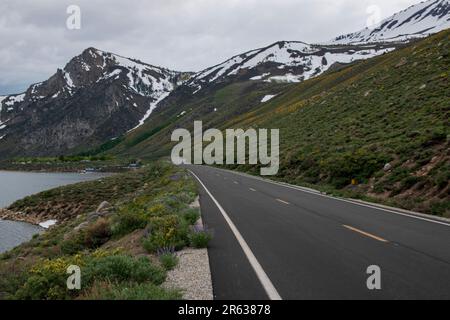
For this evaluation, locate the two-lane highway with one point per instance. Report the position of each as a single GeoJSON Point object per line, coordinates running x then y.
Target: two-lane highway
{"type": "Point", "coordinates": [277, 242]}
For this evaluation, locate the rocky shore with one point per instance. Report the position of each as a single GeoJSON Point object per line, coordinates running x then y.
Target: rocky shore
{"type": "Point", "coordinates": [6, 214]}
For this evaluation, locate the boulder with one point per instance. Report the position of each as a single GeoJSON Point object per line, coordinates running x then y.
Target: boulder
{"type": "Point", "coordinates": [104, 207]}
{"type": "Point", "coordinates": [402, 62]}
{"type": "Point", "coordinates": [91, 216]}
{"type": "Point", "coordinates": [387, 167]}
{"type": "Point", "coordinates": [81, 226]}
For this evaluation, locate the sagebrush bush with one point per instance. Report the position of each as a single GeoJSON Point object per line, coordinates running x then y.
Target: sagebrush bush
{"type": "Point", "coordinates": [127, 221]}
{"type": "Point", "coordinates": [74, 243]}
{"type": "Point", "coordinates": [165, 232]}
{"type": "Point", "coordinates": [123, 268]}
{"type": "Point", "coordinates": [191, 215]}
{"type": "Point", "coordinates": [199, 238]}
{"type": "Point", "coordinates": [168, 260]}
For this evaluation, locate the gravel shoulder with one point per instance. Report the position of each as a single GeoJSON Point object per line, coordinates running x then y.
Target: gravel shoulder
{"type": "Point", "coordinates": [192, 274]}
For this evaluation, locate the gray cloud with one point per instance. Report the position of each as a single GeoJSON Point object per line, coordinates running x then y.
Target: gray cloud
{"type": "Point", "coordinates": [186, 35]}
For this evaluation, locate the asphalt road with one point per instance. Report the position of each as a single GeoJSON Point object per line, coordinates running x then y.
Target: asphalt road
{"type": "Point", "coordinates": [277, 242]}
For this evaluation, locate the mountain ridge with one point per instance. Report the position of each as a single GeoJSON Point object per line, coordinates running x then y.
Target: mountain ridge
{"type": "Point", "coordinates": [94, 90]}
{"type": "Point", "coordinates": [99, 96]}
{"type": "Point", "coordinates": [417, 21]}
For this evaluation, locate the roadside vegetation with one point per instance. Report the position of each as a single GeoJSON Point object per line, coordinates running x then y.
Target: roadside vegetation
{"type": "Point", "coordinates": [124, 237]}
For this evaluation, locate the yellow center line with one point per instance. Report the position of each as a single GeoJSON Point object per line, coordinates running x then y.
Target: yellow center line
{"type": "Point", "coordinates": [365, 233]}
{"type": "Point", "coordinates": [282, 201]}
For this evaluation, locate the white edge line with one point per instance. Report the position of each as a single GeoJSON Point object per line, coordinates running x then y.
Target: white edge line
{"type": "Point", "coordinates": [261, 274]}
{"type": "Point", "coordinates": [318, 193]}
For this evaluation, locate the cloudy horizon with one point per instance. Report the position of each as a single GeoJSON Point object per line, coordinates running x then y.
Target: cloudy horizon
{"type": "Point", "coordinates": [182, 35]}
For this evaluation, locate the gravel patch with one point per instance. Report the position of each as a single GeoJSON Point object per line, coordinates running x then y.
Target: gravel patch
{"type": "Point", "coordinates": [192, 275]}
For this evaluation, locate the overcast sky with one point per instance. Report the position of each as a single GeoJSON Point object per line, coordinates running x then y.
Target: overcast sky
{"type": "Point", "coordinates": [184, 35]}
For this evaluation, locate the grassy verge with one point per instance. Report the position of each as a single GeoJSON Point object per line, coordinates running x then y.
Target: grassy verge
{"type": "Point", "coordinates": [124, 248]}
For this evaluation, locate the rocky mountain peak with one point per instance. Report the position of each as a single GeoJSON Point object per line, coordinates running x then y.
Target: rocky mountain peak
{"type": "Point", "coordinates": [417, 21]}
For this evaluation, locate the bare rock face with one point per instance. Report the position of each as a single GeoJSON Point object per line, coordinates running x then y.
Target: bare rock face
{"type": "Point", "coordinates": [98, 96]}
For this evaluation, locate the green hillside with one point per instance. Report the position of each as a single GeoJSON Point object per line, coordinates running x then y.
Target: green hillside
{"type": "Point", "coordinates": [350, 124]}
{"type": "Point", "coordinates": [382, 123]}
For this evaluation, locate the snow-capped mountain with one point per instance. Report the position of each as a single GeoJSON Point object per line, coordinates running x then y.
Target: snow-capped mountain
{"type": "Point", "coordinates": [96, 97]}
{"type": "Point", "coordinates": [417, 21]}
{"type": "Point", "coordinates": [293, 61]}
{"type": "Point", "coordinates": [284, 61]}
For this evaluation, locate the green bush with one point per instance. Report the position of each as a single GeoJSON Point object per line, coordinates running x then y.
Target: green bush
{"type": "Point", "coordinates": [130, 291]}
{"type": "Point", "coordinates": [409, 182]}
{"type": "Point", "coordinates": [199, 239]}
{"type": "Point", "coordinates": [126, 221]}
{"type": "Point", "coordinates": [48, 280]}
{"type": "Point", "coordinates": [123, 268]}
{"type": "Point", "coordinates": [165, 232]}
{"type": "Point", "coordinates": [169, 261]}
{"type": "Point", "coordinates": [359, 165]}
{"type": "Point", "coordinates": [74, 243]}
{"type": "Point", "coordinates": [191, 215]}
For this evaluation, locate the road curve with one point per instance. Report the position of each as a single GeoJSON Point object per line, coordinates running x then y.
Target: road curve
{"type": "Point", "coordinates": [277, 242]}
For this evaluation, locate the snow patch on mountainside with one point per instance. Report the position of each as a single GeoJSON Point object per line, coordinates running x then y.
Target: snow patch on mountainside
{"type": "Point", "coordinates": [281, 53]}
{"type": "Point", "coordinates": [152, 107]}
{"type": "Point", "coordinates": [12, 100]}
{"type": "Point", "coordinates": [144, 79]}
{"type": "Point", "coordinates": [417, 21]}
{"type": "Point", "coordinates": [268, 97]}
{"type": "Point", "coordinates": [286, 61]}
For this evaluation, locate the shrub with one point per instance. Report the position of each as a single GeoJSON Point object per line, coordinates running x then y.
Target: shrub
{"type": "Point", "coordinates": [199, 238]}
{"type": "Point", "coordinates": [165, 232]}
{"type": "Point", "coordinates": [73, 244]}
{"type": "Point", "coordinates": [47, 280]}
{"type": "Point", "coordinates": [97, 233]}
{"type": "Point", "coordinates": [123, 268]}
{"type": "Point", "coordinates": [126, 221]}
{"type": "Point", "coordinates": [409, 182]}
{"type": "Point", "coordinates": [168, 261]}
{"type": "Point", "coordinates": [441, 209]}
{"type": "Point", "coordinates": [130, 291]}
{"type": "Point", "coordinates": [191, 215]}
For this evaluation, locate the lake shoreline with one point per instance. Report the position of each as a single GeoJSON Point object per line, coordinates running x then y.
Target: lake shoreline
{"type": "Point", "coordinates": [8, 215]}
{"type": "Point", "coordinates": [18, 226]}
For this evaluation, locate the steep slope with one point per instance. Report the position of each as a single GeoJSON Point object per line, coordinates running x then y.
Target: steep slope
{"type": "Point", "coordinates": [284, 61]}
{"type": "Point", "coordinates": [96, 97]}
{"type": "Point", "coordinates": [417, 21]}
{"type": "Point", "coordinates": [382, 122]}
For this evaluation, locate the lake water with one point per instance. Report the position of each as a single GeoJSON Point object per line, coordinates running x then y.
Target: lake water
{"type": "Point", "coordinates": [17, 185]}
